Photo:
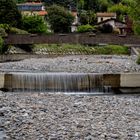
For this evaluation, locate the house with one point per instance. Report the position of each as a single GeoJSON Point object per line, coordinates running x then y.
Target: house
{"type": "Point", "coordinates": [75, 23]}
{"type": "Point", "coordinates": [32, 8]}
{"type": "Point", "coordinates": [116, 24]}
{"type": "Point", "coordinates": [105, 16]}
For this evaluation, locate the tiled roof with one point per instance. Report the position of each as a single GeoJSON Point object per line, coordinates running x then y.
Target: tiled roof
{"type": "Point", "coordinates": [31, 3]}
{"type": "Point", "coordinates": [106, 14]}
{"type": "Point", "coordinates": [42, 13]}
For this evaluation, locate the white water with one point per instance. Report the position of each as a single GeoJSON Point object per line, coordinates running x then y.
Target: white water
{"type": "Point", "coordinates": [57, 82]}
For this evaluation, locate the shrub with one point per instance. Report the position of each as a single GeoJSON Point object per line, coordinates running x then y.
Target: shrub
{"type": "Point", "coordinates": [137, 29]}
{"type": "Point", "coordinates": [6, 27]}
{"type": "Point", "coordinates": [1, 45]}
{"type": "Point", "coordinates": [138, 60]}
{"type": "Point", "coordinates": [17, 31]}
{"type": "Point", "coordinates": [2, 32]}
{"type": "Point", "coordinates": [85, 28]}
{"type": "Point", "coordinates": [112, 49]}
{"type": "Point", "coordinates": [34, 24]}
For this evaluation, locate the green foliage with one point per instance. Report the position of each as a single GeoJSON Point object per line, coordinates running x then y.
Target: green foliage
{"type": "Point", "coordinates": [6, 27]}
{"type": "Point", "coordinates": [85, 28]}
{"type": "Point", "coordinates": [60, 19]}
{"type": "Point", "coordinates": [87, 17]}
{"type": "Point", "coordinates": [135, 15]}
{"type": "Point", "coordinates": [1, 42]}
{"type": "Point", "coordinates": [17, 31]}
{"type": "Point", "coordinates": [1, 45]}
{"type": "Point", "coordinates": [34, 24]}
{"type": "Point", "coordinates": [138, 60]}
{"type": "Point", "coordinates": [119, 9]}
{"type": "Point", "coordinates": [2, 32]}
{"type": "Point", "coordinates": [127, 2]}
{"type": "Point", "coordinates": [20, 1]}
{"type": "Point", "coordinates": [103, 5]}
{"type": "Point", "coordinates": [81, 49]}
{"type": "Point", "coordinates": [9, 13]}
{"type": "Point", "coordinates": [137, 28]}
{"type": "Point", "coordinates": [112, 49]}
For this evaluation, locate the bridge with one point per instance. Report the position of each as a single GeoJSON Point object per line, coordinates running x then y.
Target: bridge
{"type": "Point", "coordinates": [86, 39]}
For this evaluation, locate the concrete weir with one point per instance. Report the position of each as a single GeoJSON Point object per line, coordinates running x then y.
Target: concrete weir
{"type": "Point", "coordinates": [68, 82]}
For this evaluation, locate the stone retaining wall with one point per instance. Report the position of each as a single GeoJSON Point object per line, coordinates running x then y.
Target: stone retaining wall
{"type": "Point", "coordinates": [88, 38]}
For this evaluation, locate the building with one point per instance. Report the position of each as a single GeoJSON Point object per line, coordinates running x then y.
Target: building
{"type": "Point", "coordinates": [32, 8]}
{"type": "Point", "coordinates": [116, 24]}
{"type": "Point", "coordinates": [75, 23]}
{"type": "Point", "coordinates": [105, 16]}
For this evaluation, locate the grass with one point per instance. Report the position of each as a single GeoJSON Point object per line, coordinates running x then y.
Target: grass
{"type": "Point", "coordinates": [81, 49]}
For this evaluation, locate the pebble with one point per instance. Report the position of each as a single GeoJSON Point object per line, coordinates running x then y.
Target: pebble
{"type": "Point", "coordinates": [78, 63]}
{"type": "Point", "coordinates": [44, 116]}
{"type": "Point", "coordinates": [66, 117]}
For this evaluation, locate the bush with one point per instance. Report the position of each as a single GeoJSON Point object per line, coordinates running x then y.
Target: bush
{"type": "Point", "coordinates": [17, 31]}
{"type": "Point", "coordinates": [85, 28]}
{"type": "Point", "coordinates": [2, 32]}
{"type": "Point", "coordinates": [1, 45]}
{"type": "Point", "coordinates": [34, 24]}
{"type": "Point", "coordinates": [137, 29]}
{"type": "Point", "coordinates": [112, 49]}
{"type": "Point", "coordinates": [138, 60]}
{"type": "Point", "coordinates": [6, 27]}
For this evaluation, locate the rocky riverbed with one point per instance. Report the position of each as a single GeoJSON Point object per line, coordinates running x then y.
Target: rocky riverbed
{"type": "Point", "coordinates": [42, 116]}
{"type": "Point", "coordinates": [78, 63]}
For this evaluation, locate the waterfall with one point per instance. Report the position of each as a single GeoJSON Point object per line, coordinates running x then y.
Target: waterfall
{"type": "Point", "coordinates": [55, 82]}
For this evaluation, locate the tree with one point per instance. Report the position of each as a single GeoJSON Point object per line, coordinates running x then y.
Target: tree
{"type": "Point", "coordinates": [34, 24]}
{"type": "Point", "coordinates": [120, 10]}
{"type": "Point", "coordinates": [87, 17]}
{"type": "Point", "coordinates": [135, 15]}
{"type": "Point", "coordinates": [9, 13]}
{"type": "Point", "coordinates": [60, 19]}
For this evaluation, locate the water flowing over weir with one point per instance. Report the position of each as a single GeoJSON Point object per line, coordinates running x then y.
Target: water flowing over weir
{"type": "Point", "coordinates": [71, 83]}
{"type": "Point", "coordinates": [54, 82]}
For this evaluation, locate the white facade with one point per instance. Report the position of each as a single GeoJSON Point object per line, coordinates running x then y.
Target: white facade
{"type": "Point", "coordinates": [105, 16]}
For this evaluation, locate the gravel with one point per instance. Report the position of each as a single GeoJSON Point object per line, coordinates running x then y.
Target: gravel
{"type": "Point", "coordinates": [44, 116]}
{"type": "Point", "coordinates": [83, 64]}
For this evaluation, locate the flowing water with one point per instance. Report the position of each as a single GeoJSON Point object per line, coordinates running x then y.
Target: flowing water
{"type": "Point", "coordinates": [56, 82]}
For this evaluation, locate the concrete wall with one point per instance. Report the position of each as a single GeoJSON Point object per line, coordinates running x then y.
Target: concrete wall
{"type": "Point", "coordinates": [126, 80]}
{"type": "Point", "coordinates": [2, 80]}
{"type": "Point", "coordinates": [130, 80]}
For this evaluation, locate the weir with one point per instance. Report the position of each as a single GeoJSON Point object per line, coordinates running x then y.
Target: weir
{"type": "Point", "coordinates": [66, 82]}
{"type": "Point", "coordinates": [70, 82]}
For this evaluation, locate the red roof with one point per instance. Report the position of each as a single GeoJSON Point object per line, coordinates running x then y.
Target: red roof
{"type": "Point", "coordinates": [42, 13]}
{"type": "Point", "coordinates": [106, 14]}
